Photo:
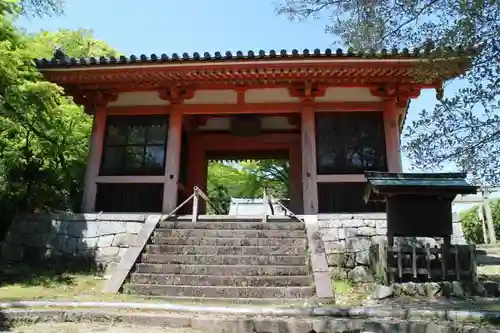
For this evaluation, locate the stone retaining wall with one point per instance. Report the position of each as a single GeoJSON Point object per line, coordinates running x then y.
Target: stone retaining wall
{"type": "Point", "coordinates": [100, 238]}
{"type": "Point", "coordinates": [347, 239]}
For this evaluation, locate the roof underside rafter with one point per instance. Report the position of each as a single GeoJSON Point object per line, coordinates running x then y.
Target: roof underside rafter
{"type": "Point", "coordinates": [269, 69]}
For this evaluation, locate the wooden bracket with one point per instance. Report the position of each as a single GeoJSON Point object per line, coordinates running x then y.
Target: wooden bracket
{"type": "Point", "coordinates": [400, 93]}
{"type": "Point", "coordinates": [92, 99]}
{"type": "Point", "coordinates": [307, 90]}
{"type": "Point", "coordinates": [176, 94]}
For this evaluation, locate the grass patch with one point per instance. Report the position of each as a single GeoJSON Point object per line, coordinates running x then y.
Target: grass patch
{"type": "Point", "coordinates": [25, 283]}
{"type": "Point", "coordinates": [342, 287]}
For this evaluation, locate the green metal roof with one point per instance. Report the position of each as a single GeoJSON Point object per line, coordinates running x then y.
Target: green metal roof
{"type": "Point", "coordinates": [383, 183]}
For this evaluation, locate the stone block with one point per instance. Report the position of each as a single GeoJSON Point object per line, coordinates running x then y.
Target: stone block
{"type": "Point", "coordinates": [337, 273]}
{"type": "Point", "coordinates": [366, 231]}
{"type": "Point", "coordinates": [335, 247]}
{"type": "Point", "coordinates": [111, 228]}
{"type": "Point", "coordinates": [91, 229]}
{"type": "Point", "coordinates": [354, 223]}
{"type": "Point", "coordinates": [360, 274]}
{"type": "Point", "coordinates": [329, 235]}
{"type": "Point", "coordinates": [75, 229]}
{"type": "Point", "coordinates": [88, 243]}
{"type": "Point", "coordinates": [122, 251]}
{"type": "Point", "coordinates": [359, 244]}
{"type": "Point", "coordinates": [133, 227]}
{"type": "Point", "coordinates": [40, 226]}
{"type": "Point", "coordinates": [69, 245]}
{"type": "Point", "coordinates": [370, 223]}
{"type": "Point", "coordinates": [13, 238]}
{"type": "Point", "coordinates": [106, 254]}
{"type": "Point", "coordinates": [335, 259]}
{"type": "Point", "coordinates": [40, 240]}
{"type": "Point", "coordinates": [122, 217]}
{"type": "Point", "coordinates": [105, 241]}
{"type": "Point", "coordinates": [122, 240]}
{"type": "Point", "coordinates": [330, 224]}
{"type": "Point", "coordinates": [12, 252]}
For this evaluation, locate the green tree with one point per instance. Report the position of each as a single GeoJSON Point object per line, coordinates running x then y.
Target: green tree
{"type": "Point", "coordinates": [464, 128]}
{"type": "Point", "coordinates": [471, 225]}
{"type": "Point", "coordinates": [43, 134]}
{"type": "Point", "coordinates": [247, 179]}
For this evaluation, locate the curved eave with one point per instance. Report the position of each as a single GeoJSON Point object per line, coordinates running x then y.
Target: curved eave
{"type": "Point", "coordinates": [332, 71]}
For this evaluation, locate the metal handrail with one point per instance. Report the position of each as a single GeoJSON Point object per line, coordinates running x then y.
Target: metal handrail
{"type": "Point", "coordinates": [269, 199]}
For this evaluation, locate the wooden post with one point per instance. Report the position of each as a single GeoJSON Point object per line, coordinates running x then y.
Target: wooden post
{"type": "Point", "coordinates": [172, 160]}
{"type": "Point", "coordinates": [94, 160]}
{"type": "Point", "coordinates": [428, 258]}
{"type": "Point", "coordinates": [308, 139]}
{"type": "Point", "coordinates": [391, 129]}
{"type": "Point", "coordinates": [196, 199]}
{"type": "Point", "coordinates": [473, 264]}
{"type": "Point", "coordinates": [489, 217]}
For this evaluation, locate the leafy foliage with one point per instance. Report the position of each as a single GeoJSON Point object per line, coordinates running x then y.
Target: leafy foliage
{"type": "Point", "coordinates": [247, 180]}
{"type": "Point", "coordinates": [462, 129]}
{"type": "Point", "coordinates": [471, 225]}
{"type": "Point", "coordinates": [43, 134]}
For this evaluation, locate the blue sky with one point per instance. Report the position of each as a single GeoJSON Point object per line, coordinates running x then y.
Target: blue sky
{"type": "Point", "coordinates": [167, 26]}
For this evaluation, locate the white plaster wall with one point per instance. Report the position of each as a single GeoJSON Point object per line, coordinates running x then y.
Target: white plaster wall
{"type": "Point", "coordinates": [213, 97]}
{"type": "Point", "coordinates": [270, 95]}
{"type": "Point", "coordinates": [346, 94]}
{"type": "Point", "coordinates": [138, 98]}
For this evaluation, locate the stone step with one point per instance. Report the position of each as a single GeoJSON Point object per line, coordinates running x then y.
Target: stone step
{"type": "Point", "coordinates": [224, 225]}
{"type": "Point", "coordinates": [200, 233]}
{"type": "Point", "coordinates": [217, 291]}
{"type": "Point", "coordinates": [288, 302]}
{"type": "Point", "coordinates": [210, 280]}
{"type": "Point", "coordinates": [222, 259]}
{"type": "Point", "coordinates": [221, 241]}
{"type": "Point", "coordinates": [234, 250]}
{"type": "Point", "coordinates": [233, 218]}
{"type": "Point", "coordinates": [221, 270]}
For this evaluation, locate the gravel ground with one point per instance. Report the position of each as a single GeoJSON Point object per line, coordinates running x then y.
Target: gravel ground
{"type": "Point", "coordinates": [95, 328]}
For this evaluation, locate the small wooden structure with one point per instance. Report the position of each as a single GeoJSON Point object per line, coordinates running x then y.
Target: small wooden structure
{"type": "Point", "coordinates": [420, 205]}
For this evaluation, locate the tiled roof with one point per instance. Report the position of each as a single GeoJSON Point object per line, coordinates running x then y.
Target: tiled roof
{"type": "Point", "coordinates": [61, 60]}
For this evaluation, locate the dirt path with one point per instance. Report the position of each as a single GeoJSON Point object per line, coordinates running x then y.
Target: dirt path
{"type": "Point", "coordinates": [96, 328]}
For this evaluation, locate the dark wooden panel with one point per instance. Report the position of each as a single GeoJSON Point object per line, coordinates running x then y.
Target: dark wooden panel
{"type": "Point", "coordinates": [350, 142]}
{"type": "Point", "coordinates": [345, 198]}
{"type": "Point", "coordinates": [129, 197]}
{"type": "Point", "coordinates": [419, 216]}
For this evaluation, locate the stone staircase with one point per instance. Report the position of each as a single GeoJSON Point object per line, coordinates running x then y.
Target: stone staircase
{"type": "Point", "coordinates": [227, 259]}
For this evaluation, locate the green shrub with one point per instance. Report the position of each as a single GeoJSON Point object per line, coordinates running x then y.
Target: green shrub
{"type": "Point", "coordinates": [471, 226]}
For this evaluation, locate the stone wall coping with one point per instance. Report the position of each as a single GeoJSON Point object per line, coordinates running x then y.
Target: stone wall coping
{"type": "Point", "coordinates": [34, 217]}
{"type": "Point", "coordinates": [337, 312]}
{"type": "Point", "coordinates": [353, 216]}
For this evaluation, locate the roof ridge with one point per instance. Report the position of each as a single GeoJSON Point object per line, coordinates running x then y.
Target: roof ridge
{"type": "Point", "coordinates": [60, 59]}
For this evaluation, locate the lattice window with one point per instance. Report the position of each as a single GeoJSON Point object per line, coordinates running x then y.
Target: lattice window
{"type": "Point", "coordinates": [350, 142]}
{"type": "Point", "coordinates": [135, 145]}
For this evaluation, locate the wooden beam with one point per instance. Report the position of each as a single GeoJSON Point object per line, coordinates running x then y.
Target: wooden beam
{"type": "Point", "coordinates": [253, 108]}
{"type": "Point", "coordinates": [308, 140]}
{"type": "Point", "coordinates": [172, 159]}
{"type": "Point", "coordinates": [94, 161]}
{"type": "Point", "coordinates": [131, 179]}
